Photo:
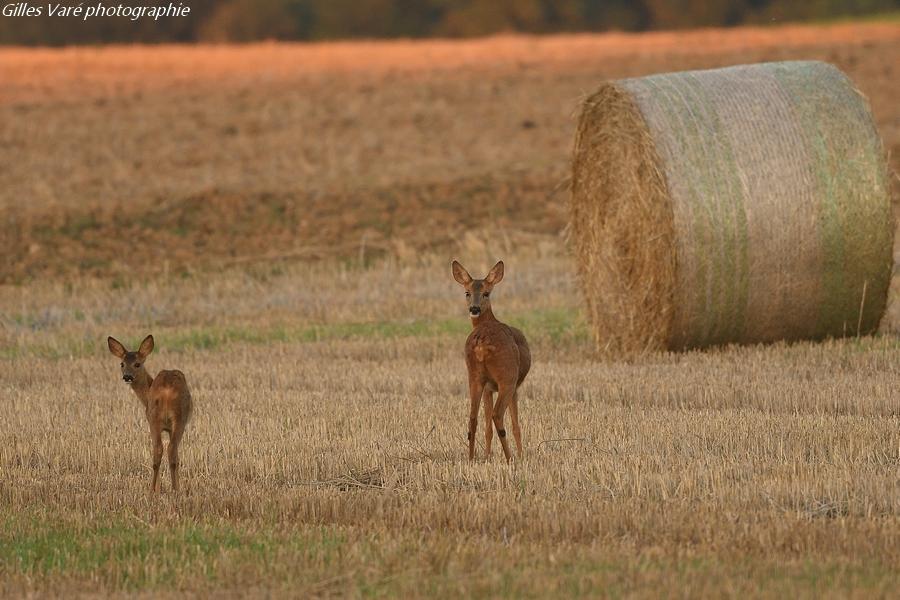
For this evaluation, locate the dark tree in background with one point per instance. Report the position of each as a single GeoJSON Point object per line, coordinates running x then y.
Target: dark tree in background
{"type": "Point", "coordinates": [251, 20]}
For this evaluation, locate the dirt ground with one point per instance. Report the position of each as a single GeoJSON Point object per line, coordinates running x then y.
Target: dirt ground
{"type": "Point", "coordinates": [203, 157]}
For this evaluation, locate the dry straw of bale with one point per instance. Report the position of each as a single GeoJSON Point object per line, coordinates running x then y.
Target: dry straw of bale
{"type": "Point", "coordinates": [738, 205]}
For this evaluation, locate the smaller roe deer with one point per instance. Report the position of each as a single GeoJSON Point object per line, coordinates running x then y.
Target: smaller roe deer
{"type": "Point", "coordinates": [497, 358]}
{"type": "Point", "coordinates": [166, 400]}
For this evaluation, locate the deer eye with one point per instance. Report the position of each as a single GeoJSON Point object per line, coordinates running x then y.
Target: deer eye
{"type": "Point", "coordinates": [486, 295]}
{"type": "Point", "coordinates": [136, 365]}
{"type": "Point", "coordinates": [468, 295]}
{"type": "Point", "coordinates": [122, 365]}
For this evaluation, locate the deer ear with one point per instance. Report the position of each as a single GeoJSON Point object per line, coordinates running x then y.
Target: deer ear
{"type": "Point", "coordinates": [460, 274]}
{"type": "Point", "coordinates": [146, 346]}
{"type": "Point", "coordinates": [496, 274]}
{"type": "Point", "coordinates": [116, 347]}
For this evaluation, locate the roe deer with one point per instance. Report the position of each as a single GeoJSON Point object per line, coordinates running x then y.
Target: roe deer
{"type": "Point", "coordinates": [166, 400]}
{"type": "Point", "coordinates": [497, 358]}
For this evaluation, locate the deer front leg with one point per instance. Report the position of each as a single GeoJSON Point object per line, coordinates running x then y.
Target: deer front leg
{"type": "Point", "coordinates": [174, 441]}
{"type": "Point", "coordinates": [157, 459]}
{"type": "Point", "coordinates": [476, 388]}
{"type": "Point", "coordinates": [488, 398]}
{"type": "Point", "coordinates": [504, 397]}
{"type": "Point", "coordinates": [514, 420]}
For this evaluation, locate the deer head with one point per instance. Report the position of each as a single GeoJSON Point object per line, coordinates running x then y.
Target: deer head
{"type": "Point", "coordinates": [478, 291]}
{"type": "Point", "coordinates": [132, 362]}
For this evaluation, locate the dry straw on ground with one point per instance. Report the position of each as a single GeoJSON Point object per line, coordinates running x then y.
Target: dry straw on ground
{"type": "Point", "coordinates": [745, 204]}
{"type": "Point", "coordinates": [340, 457]}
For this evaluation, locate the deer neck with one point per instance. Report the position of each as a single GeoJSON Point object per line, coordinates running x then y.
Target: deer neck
{"type": "Point", "coordinates": [485, 316]}
{"type": "Point", "coordinates": [141, 386]}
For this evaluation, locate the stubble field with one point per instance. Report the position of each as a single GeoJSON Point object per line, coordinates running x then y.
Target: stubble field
{"type": "Point", "coordinates": [281, 218]}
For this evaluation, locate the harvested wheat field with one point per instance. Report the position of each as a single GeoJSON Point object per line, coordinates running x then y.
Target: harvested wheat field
{"type": "Point", "coordinates": [282, 219]}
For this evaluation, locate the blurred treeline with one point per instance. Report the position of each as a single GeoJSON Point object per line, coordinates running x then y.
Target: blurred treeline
{"type": "Point", "coordinates": [249, 20]}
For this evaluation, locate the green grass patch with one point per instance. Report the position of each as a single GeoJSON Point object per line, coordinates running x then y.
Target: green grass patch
{"type": "Point", "coordinates": [113, 553]}
{"type": "Point", "coordinates": [554, 325]}
{"type": "Point", "coordinates": [129, 555]}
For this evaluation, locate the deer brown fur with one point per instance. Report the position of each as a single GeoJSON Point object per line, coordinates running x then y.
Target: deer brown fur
{"type": "Point", "coordinates": [497, 358]}
{"type": "Point", "coordinates": [166, 400]}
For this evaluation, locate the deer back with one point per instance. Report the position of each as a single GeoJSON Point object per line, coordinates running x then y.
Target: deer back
{"type": "Point", "coordinates": [170, 395]}
{"type": "Point", "coordinates": [494, 347]}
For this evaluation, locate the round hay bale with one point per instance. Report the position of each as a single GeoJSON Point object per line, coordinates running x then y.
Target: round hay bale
{"type": "Point", "coordinates": [738, 205]}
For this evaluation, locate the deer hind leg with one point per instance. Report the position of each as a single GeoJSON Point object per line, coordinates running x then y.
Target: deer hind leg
{"type": "Point", "coordinates": [504, 397]}
{"type": "Point", "coordinates": [157, 459]}
{"type": "Point", "coordinates": [174, 441]}
{"type": "Point", "coordinates": [488, 398]}
{"type": "Point", "coordinates": [476, 388]}
{"type": "Point", "coordinates": [514, 420]}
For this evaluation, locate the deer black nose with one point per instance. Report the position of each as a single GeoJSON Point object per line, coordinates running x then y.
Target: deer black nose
{"type": "Point", "coordinates": [475, 310]}
{"type": "Point", "coordinates": [128, 378]}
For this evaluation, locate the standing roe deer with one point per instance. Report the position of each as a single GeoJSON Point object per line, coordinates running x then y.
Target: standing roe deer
{"type": "Point", "coordinates": [497, 358]}
{"type": "Point", "coordinates": [166, 400]}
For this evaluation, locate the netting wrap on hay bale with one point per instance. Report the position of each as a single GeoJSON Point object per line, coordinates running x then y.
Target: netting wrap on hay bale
{"type": "Point", "coordinates": [745, 204]}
